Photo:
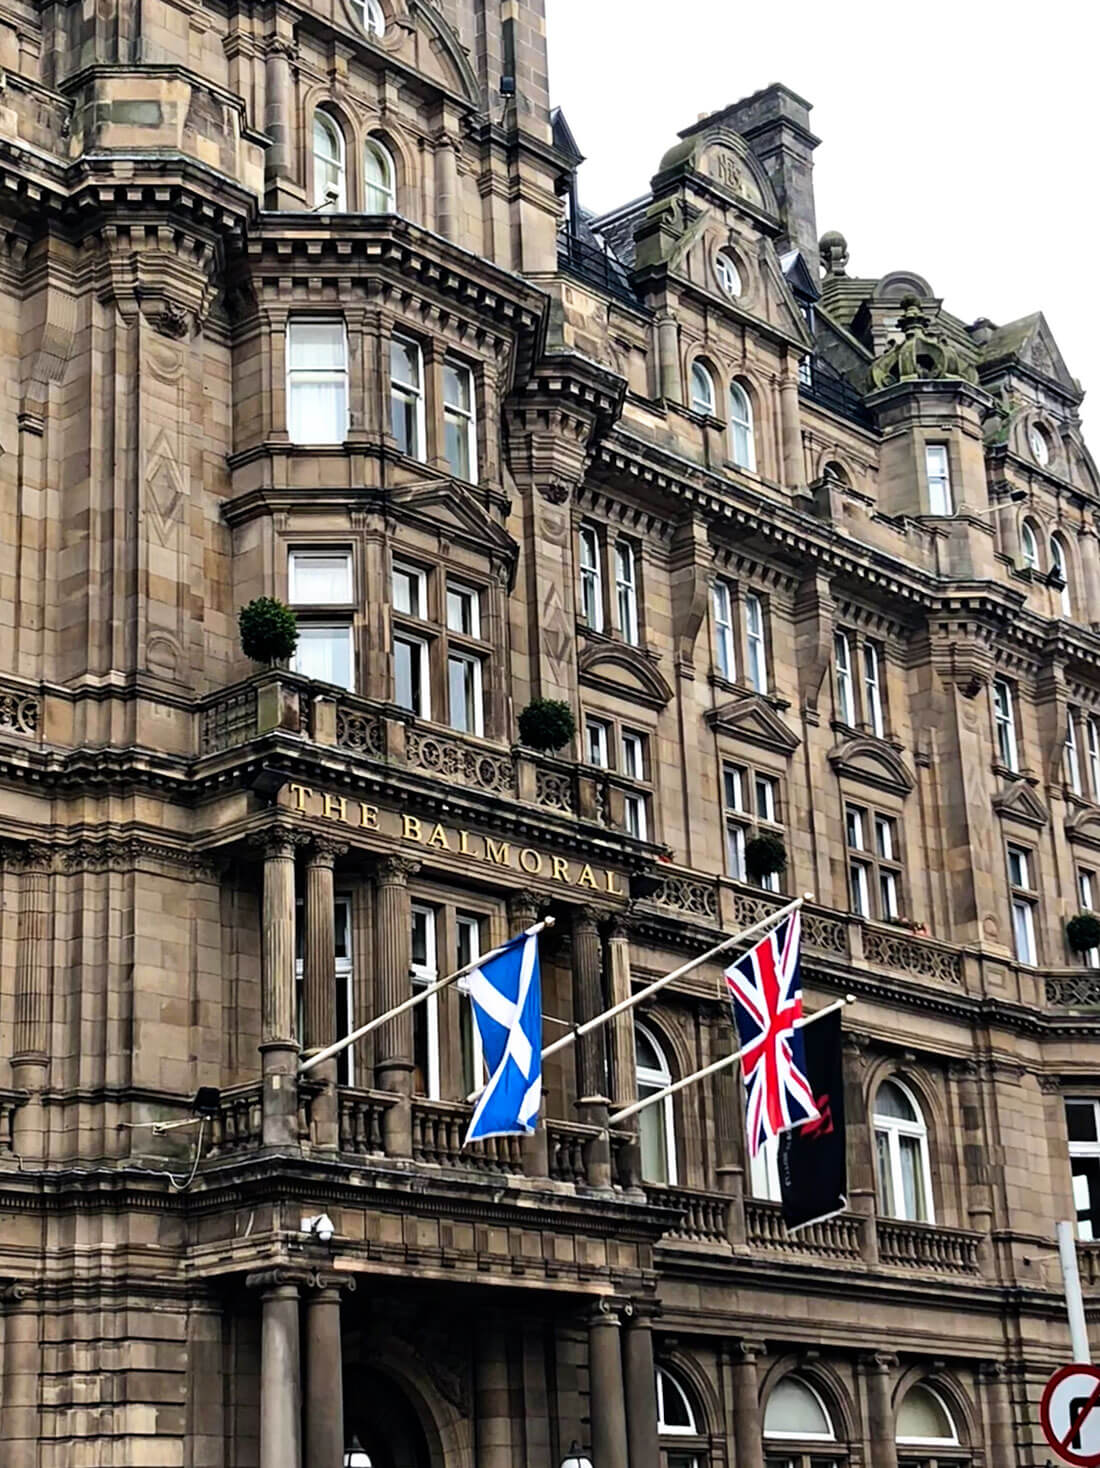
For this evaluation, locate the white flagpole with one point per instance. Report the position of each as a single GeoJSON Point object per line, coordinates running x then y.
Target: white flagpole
{"type": "Point", "coordinates": [417, 998]}
{"type": "Point", "coordinates": [727, 1060]}
{"type": "Point", "coordinates": [628, 1003]}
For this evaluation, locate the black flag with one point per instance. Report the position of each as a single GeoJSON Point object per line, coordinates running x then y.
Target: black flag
{"type": "Point", "coordinates": [813, 1170]}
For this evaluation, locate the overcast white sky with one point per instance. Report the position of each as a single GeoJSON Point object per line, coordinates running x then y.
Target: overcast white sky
{"type": "Point", "coordinates": [959, 138]}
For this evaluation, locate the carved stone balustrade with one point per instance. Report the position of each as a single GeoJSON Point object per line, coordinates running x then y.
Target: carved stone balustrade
{"type": "Point", "coordinates": [928, 1246]}
{"type": "Point", "coordinates": [704, 1216]}
{"type": "Point", "coordinates": [892, 948]}
{"type": "Point", "coordinates": [20, 713]}
{"type": "Point", "coordinates": [834, 1238]}
{"type": "Point", "coordinates": [239, 1122]}
{"type": "Point", "coordinates": [438, 1129]}
{"type": "Point", "coordinates": [361, 1113]}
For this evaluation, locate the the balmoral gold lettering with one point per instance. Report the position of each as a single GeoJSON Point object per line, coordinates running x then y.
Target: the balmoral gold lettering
{"type": "Point", "coordinates": [368, 816]}
{"type": "Point", "coordinates": [335, 807]}
{"type": "Point", "coordinates": [497, 852]}
{"type": "Point", "coordinates": [586, 879]}
{"type": "Point", "coordinates": [300, 792]}
{"type": "Point", "coordinates": [464, 844]}
{"type": "Point", "coordinates": [530, 861]}
{"type": "Point", "coordinates": [611, 887]}
{"type": "Point", "coordinates": [560, 871]}
{"type": "Point", "coordinates": [410, 829]}
{"type": "Point", "coordinates": [438, 838]}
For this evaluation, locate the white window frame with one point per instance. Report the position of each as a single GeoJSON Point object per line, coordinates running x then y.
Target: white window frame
{"type": "Point", "coordinates": [326, 125]}
{"type": "Point", "coordinates": [1037, 443]}
{"type": "Point", "coordinates": [1086, 895]}
{"type": "Point", "coordinates": [634, 763]}
{"type": "Point", "coordinates": [471, 598]}
{"type": "Point", "coordinates": [296, 559]}
{"type": "Point", "coordinates": [872, 690]}
{"type": "Point", "coordinates": [664, 1428]}
{"type": "Point", "coordinates": [725, 643]}
{"type": "Point", "coordinates": [764, 1171]}
{"type": "Point", "coordinates": [1029, 545]}
{"type": "Point", "coordinates": [1004, 724]}
{"type": "Point", "coordinates": [930, 1442]}
{"type": "Point", "coordinates": [937, 468]}
{"type": "Point", "coordinates": [634, 816]}
{"type": "Point", "coordinates": [702, 401]}
{"type": "Point", "coordinates": [306, 376]}
{"type": "Point", "coordinates": [1059, 561]}
{"type": "Point", "coordinates": [471, 923]}
{"type": "Point", "coordinates": [425, 710]}
{"type": "Point", "coordinates": [410, 392]}
{"type": "Point", "coordinates": [727, 274]}
{"type": "Point", "coordinates": [464, 418]}
{"type": "Point", "coordinates": [1073, 762]}
{"type": "Point", "coordinates": [473, 662]}
{"type": "Point", "coordinates": [345, 1061]}
{"type": "Point", "coordinates": [845, 684]}
{"type": "Point", "coordinates": [765, 796]}
{"type": "Point", "coordinates": [387, 190]}
{"type": "Point", "coordinates": [588, 543]}
{"type": "Point", "coordinates": [741, 431]}
{"type": "Point", "coordinates": [420, 577]}
{"type": "Point", "coordinates": [657, 1079]}
{"type": "Point", "coordinates": [1023, 896]}
{"type": "Point", "coordinates": [1092, 734]}
{"type": "Point", "coordinates": [756, 648]}
{"type": "Point", "coordinates": [339, 632]}
{"type": "Point", "coordinates": [421, 975]}
{"type": "Point", "coordinates": [895, 1128]}
{"type": "Point", "coordinates": [801, 1437]}
{"type": "Point", "coordinates": [1085, 1151]}
{"type": "Point", "coordinates": [371, 16]}
{"type": "Point", "coordinates": [597, 742]}
{"type": "Point", "coordinates": [626, 591]}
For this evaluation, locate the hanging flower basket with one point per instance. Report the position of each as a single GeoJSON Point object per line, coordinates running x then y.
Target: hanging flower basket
{"type": "Point", "coordinates": [547, 724]}
{"type": "Point", "coordinates": [765, 855]}
{"type": "Point", "coordinates": [1083, 932]}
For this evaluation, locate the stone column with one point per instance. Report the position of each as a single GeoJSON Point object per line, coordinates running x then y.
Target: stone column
{"type": "Point", "coordinates": [278, 1046]}
{"type": "Point", "coordinates": [30, 1057]}
{"type": "Point", "coordinates": [880, 1371]}
{"type": "Point", "coordinates": [1002, 1430]}
{"type": "Point", "coordinates": [623, 1066]}
{"type": "Point", "coordinates": [319, 984]}
{"type": "Point", "coordinates": [446, 185]}
{"type": "Point", "coordinates": [492, 1406]}
{"type": "Point", "coordinates": [280, 1371]}
{"type": "Point", "coordinates": [794, 473]}
{"type": "Point", "coordinates": [591, 1051]}
{"type": "Point", "coordinates": [523, 913]}
{"type": "Point", "coordinates": [670, 385]}
{"type": "Point", "coordinates": [22, 1370]}
{"type": "Point", "coordinates": [324, 1367]}
{"type": "Point", "coordinates": [394, 1040]}
{"type": "Point", "coordinates": [729, 1133]}
{"type": "Point", "coordinates": [277, 120]}
{"type": "Point", "coordinates": [641, 1397]}
{"type": "Point", "coordinates": [747, 1435]}
{"type": "Point", "coordinates": [606, 1400]}
{"type": "Point", "coordinates": [1090, 573]}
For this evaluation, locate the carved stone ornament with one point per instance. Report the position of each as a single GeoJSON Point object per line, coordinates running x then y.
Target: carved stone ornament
{"type": "Point", "coordinates": [920, 355]}
{"type": "Point", "coordinates": [395, 871]}
{"type": "Point", "coordinates": [173, 320]}
{"type": "Point", "coordinates": [556, 490]}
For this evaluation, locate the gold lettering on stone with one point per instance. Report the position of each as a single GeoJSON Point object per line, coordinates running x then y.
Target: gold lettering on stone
{"type": "Point", "coordinates": [497, 852]}
{"type": "Point", "coordinates": [464, 844]}
{"type": "Point", "coordinates": [560, 872]}
{"type": "Point", "coordinates": [438, 838]}
{"type": "Point", "coordinates": [586, 879]}
{"type": "Point", "coordinates": [335, 807]}
{"type": "Point", "coordinates": [611, 887]}
{"type": "Point", "coordinates": [530, 861]}
{"type": "Point", "coordinates": [368, 816]}
{"type": "Point", "coordinates": [300, 792]}
{"type": "Point", "coordinates": [410, 829]}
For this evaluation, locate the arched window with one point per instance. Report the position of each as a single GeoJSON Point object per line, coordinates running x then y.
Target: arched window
{"type": "Point", "coordinates": [901, 1151]}
{"type": "Point", "coordinates": [1029, 545]}
{"type": "Point", "coordinates": [679, 1425]}
{"type": "Point", "coordinates": [702, 390]}
{"type": "Point", "coordinates": [1039, 445]}
{"type": "Point", "coordinates": [925, 1421]}
{"type": "Point", "coordinates": [742, 444]}
{"type": "Point", "coordinates": [795, 1410]}
{"type": "Point", "coordinates": [370, 16]}
{"type": "Point", "coordinates": [329, 173]}
{"type": "Point", "coordinates": [1060, 564]}
{"type": "Point", "coordinates": [380, 191]}
{"type": "Point", "coordinates": [656, 1134]}
{"type": "Point", "coordinates": [729, 277]}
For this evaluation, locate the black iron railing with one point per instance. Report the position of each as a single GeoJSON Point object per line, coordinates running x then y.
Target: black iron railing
{"type": "Point", "coordinates": [594, 266]}
{"type": "Point", "coordinates": [824, 385]}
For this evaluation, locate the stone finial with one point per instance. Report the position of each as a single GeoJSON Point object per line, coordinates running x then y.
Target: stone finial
{"type": "Point", "coordinates": [921, 354]}
{"type": "Point", "coordinates": [833, 248]}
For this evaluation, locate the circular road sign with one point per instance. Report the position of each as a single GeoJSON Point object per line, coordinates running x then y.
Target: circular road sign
{"type": "Point", "coordinates": [1070, 1415]}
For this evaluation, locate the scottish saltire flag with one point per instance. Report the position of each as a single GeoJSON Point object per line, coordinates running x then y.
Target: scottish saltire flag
{"type": "Point", "coordinates": [765, 987]}
{"type": "Point", "coordinates": [507, 999]}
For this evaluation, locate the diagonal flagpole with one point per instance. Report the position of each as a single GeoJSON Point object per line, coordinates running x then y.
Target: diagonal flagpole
{"type": "Point", "coordinates": [716, 1065]}
{"type": "Point", "coordinates": [629, 1002]}
{"type": "Point", "coordinates": [418, 998]}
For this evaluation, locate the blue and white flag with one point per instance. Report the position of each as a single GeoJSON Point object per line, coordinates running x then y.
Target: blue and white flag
{"type": "Point", "coordinates": [507, 999]}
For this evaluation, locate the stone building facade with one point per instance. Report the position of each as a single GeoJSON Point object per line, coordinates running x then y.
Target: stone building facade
{"type": "Point", "coordinates": [299, 301]}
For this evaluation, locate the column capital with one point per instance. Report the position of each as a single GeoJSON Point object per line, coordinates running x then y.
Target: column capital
{"type": "Point", "coordinates": [994, 1370]}
{"type": "Point", "coordinates": [621, 924]}
{"type": "Point", "coordinates": [278, 841]}
{"type": "Point", "coordinates": [279, 1277]}
{"type": "Point", "coordinates": [745, 1352]}
{"type": "Point", "coordinates": [29, 856]}
{"type": "Point", "coordinates": [880, 1362]}
{"type": "Point", "coordinates": [322, 851]}
{"type": "Point", "coordinates": [395, 871]}
{"type": "Point", "coordinates": [607, 1310]}
{"type": "Point", "coordinates": [331, 1280]}
{"type": "Point", "coordinates": [590, 914]}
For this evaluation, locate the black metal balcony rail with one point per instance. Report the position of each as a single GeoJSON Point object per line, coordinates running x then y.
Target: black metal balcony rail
{"type": "Point", "coordinates": [824, 385]}
{"type": "Point", "coordinates": [594, 266]}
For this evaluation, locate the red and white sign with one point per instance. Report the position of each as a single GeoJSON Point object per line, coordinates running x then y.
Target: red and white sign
{"type": "Point", "coordinates": [1070, 1415]}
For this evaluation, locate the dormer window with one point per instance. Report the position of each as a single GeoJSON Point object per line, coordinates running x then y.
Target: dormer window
{"type": "Point", "coordinates": [1039, 446]}
{"type": "Point", "coordinates": [370, 17]}
{"type": "Point", "coordinates": [729, 277]}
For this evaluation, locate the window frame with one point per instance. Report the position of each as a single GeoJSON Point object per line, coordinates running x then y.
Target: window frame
{"type": "Point", "coordinates": [746, 819]}
{"type": "Point", "coordinates": [725, 641]}
{"type": "Point", "coordinates": [657, 1078]}
{"type": "Point", "coordinates": [756, 643]}
{"type": "Point", "coordinates": [626, 591]}
{"type": "Point", "coordinates": [591, 577]}
{"type": "Point", "coordinates": [296, 377]}
{"type": "Point", "coordinates": [1086, 894]}
{"type": "Point", "coordinates": [1059, 561]}
{"type": "Point", "coordinates": [326, 123]}
{"type": "Point", "coordinates": [594, 725]}
{"type": "Point", "coordinates": [403, 637]}
{"type": "Point", "coordinates": [454, 413]}
{"type": "Point", "coordinates": [1092, 740]}
{"type": "Point", "coordinates": [1084, 1151]}
{"type": "Point", "coordinates": [929, 1442]}
{"type": "Point", "coordinates": [299, 553]}
{"type": "Point", "coordinates": [1029, 545]}
{"type": "Point", "coordinates": [372, 18]}
{"type": "Point", "coordinates": [476, 696]}
{"type": "Point", "coordinates": [1072, 755]}
{"type": "Point", "coordinates": [422, 975]}
{"type": "Point", "coordinates": [800, 1437]}
{"type": "Point", "coordinates": [473, 1075]}
{"type": "Point", "coordinates": [728, 275]}
{"type": "Point", "coordinates": [895, 1128]}
{"type": "Point", "coordinates": [409, 393]}
{"type": "Point", "coordinates": [844, 681]}
{"type": "Point", "coordinates": [1005, 732]}
{"type": "Point", "coordinates": [343, 631]}
{"type": "Point", "coordinates": [1023, 900]}
{"type": "Point", "coordinates": [700, 371]}
{"type": "Point", "coordinates": [664, 1428]}
{"type": "Point", "coordinates": [941, 499]}
{"type": "Point", "coordinates": [869, 865]}
{"type": "Point", "coordinates": [873, 705]}
{"type": "Point", "coordinates": [343, 976]}
{"type": "Point", "coordinates": [388, 191]}
{"type": "Point", "coordinates": [635, 802]}
{"type": "Point", "coordinates": [742, 431]}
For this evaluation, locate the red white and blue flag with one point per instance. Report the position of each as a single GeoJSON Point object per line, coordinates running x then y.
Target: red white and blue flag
{"type": "Point", "coordinates": [765, 987]}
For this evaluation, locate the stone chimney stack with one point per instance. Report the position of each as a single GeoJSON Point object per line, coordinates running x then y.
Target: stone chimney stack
{"type": "Point", "coordinates": [775, 123]}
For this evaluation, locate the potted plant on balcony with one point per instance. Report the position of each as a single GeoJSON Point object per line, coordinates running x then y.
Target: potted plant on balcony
{"type": "Point", "coordinates": [1083, 932]}
{"type": "Point", "coordinates": [547, 724]}
{"type": "Point", "coordinates": [765, 854]}
{"type": "Point", "coordinates": [269, 631]}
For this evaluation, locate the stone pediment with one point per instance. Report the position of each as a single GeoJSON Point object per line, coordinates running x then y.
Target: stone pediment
{"type": "Point", "coordinates": [1019, 801]}
{"type": "Point", "coordinates": [624, 672]}
{"type": "Point", "coordinates": [1084, 826]}
{"type": "Point", "coordinates": [872, 762]}
{"type": "Point", "coordinates": [448, 507]}
{"type": "Point", "coordinates": [752, 720]}
{"type": "Point", "coordinates": [722, 157]}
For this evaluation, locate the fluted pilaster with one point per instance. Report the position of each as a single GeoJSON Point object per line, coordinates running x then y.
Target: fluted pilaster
{"type": "Point", "coordinates": [278, 1046]}
{"type": "Point", "coordinates": [394, 1040]}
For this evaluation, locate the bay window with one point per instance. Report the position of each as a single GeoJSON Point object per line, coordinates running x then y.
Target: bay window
{"type": "Point", "coordinates": [316, 381]}
{"type": "Point", "coordinates": [459, 422]}
{"type": "Point", "coordinates": [407, 396]}
{"type": "Point", "coordinates": [626, 591]}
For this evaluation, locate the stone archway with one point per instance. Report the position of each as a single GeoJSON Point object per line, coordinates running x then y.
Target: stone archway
{"type": "Point", "coordinates": [382, 1418]}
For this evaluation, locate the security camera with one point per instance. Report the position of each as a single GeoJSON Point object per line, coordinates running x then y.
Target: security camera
{"type": "Point", "coordinates": [320, 1225]}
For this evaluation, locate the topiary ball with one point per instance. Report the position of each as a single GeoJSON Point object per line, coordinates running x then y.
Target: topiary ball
{"type": "Point", "coordinates": [764, 854]}
{"type": "Point", "coordinates": [269, 630]}
{"type": "Point", "coordinates": [547, 724]}
{"type": "Point", "coordinates": [1083, 932]}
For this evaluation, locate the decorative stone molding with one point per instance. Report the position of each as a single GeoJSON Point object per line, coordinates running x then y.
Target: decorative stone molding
{"type": "Point", "coordinates": [753, 719]}
{"type": "Point", "coordinates": [278, 841]}
{"type": "Point", "coordinates": [911, 956]}
{"type": "Point", "coordinates": [360, 732]}
{"type": "Point", "coordinates": [692, 896]}
{"type": "Point", "coordinates": [19, 713]}
{"type": "Point", "coordinates": [457, 761]}
{"type": "Point", "coordinates": [395, 871]}
{"type": "Point", "coordinates": [1073, 991]}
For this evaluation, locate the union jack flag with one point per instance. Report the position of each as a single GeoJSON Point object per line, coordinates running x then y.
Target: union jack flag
{"type": "Point", "coordinates": [765, 987]}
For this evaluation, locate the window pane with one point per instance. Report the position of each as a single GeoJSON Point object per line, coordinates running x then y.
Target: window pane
{"type": "Point", "coordinates": [462, 611]}
{"type": "Point", "coordinates": [922, 1417]}
{"type": "Point", "coordinates": [407, 661]}
{"type": "Point", "coordinates": [406, 592]}
{"type": "Point", "coordinates": [320, 577]}
{"type": "Point", "coordinates": [1081, 1121]}
{"type": "Point", "coordinates": [891, 1101]}
{"type": "Point", "coordinates": [735, 852]}
{"type": "Point", "coordinates": [653, 1140]}
{"type": "Point", "coordinates": [912, 1178]}
{"type": "Point", "coordinates": [457, 447]}
{"type": "Point", "coordinates": [885, 1176]}
{"type": "Point", "coordinates": [318, 411]}
{"type": "Point", "coordinates": [1086, 1196]}
{"type": "Point", "coordinates": [793, 1410]}
{"type": "Point", "coordinates": [765, 798]}
{"type": "Point", "coordinates": [731, 777]}
{"type": "Point", "coordinates": [316, 344]}
{"type": "Point", "coordinates": [632, 756]}
{"type": "Point", "coordinates": [462, 686]}
{"type": "Point", "coordinates": [456, 386]}
{"type": "Point", "coordinates": [324, 653]}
